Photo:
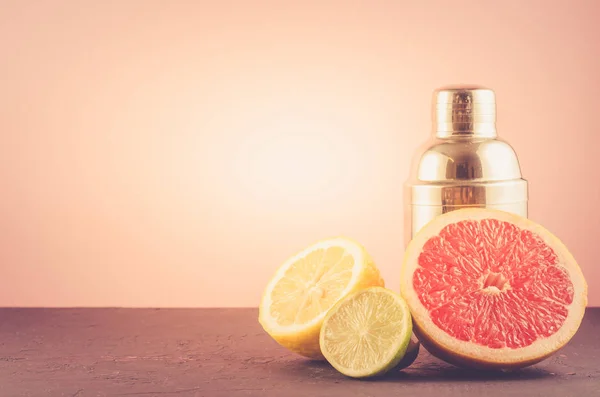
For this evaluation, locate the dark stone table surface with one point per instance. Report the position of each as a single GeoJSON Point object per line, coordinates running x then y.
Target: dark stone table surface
{"type": "Point", "coordinates": [224, 352]}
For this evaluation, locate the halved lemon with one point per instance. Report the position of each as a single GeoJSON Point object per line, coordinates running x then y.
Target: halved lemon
{"type": "Point", "coordinates": [310, 283]}
{"type": "Point", "coordinates": [367, 333]}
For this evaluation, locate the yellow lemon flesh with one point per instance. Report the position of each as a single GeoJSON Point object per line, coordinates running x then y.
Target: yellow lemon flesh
{"type": "Point", "coordinates": [308, 285]}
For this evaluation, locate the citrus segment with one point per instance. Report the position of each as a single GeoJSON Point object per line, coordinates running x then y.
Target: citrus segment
{"type": "Point", "coordinates": [492, 289]}
{"type": "Point", "coordinates": [367, 333]}
{"type": "Point", "coordinates": [307, 285]}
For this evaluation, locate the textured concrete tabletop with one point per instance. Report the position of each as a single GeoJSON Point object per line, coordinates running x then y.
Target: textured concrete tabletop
{"type": "Point", "coordinates": [224, 352]}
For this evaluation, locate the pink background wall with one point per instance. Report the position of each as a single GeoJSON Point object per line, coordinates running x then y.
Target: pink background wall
{"type": "Point", "coordinates": [160, 153]}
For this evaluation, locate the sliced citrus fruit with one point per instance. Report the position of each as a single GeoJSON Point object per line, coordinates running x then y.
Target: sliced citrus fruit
{"type": "Point", "coordinates": [490, 289]}
{"type": "Point", "coordinates": [307, 285]}
{"type": "Point", "coordinates": [367, 333]}
{"type": "Point", "coordinates": [412, 352]}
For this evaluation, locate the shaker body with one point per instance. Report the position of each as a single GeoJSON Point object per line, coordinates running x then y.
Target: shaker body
{"type": "Point", "coordinates": [464, 164]}
{"type": "Point", "coordinates": [417, 216]}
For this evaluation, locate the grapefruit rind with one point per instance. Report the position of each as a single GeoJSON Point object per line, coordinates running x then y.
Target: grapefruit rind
{"type": "Point", "coordinates": [469, 354]}
{"type": "Point", "coordinates": [303, 338]}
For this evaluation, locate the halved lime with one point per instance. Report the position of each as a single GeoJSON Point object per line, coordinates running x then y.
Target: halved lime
{"type": "Point", "coordinates": [367, 333]}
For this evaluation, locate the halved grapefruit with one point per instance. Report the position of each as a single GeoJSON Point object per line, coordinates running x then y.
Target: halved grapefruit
{"type": "Point", "coordinates": [490, 289]}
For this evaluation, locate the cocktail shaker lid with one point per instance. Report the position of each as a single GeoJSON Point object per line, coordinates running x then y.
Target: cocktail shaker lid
{"type": "Point", "coordinates": [464, 110]}
{"type": "Point", "coordinates": [464, 163]}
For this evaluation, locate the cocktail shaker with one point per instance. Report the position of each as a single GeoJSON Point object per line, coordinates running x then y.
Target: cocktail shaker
{"type": "Point", "coordinates": [464, 163]}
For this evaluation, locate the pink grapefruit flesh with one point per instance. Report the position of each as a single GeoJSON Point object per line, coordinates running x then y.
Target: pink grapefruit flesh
{"type": "Point", "coordinates": [489, 289]}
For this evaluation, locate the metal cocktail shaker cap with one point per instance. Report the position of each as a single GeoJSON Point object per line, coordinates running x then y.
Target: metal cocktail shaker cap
{"type": "Point", "coordinates": [466, 111]}
{"type": "Point", "coordinates": [463, 164]}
